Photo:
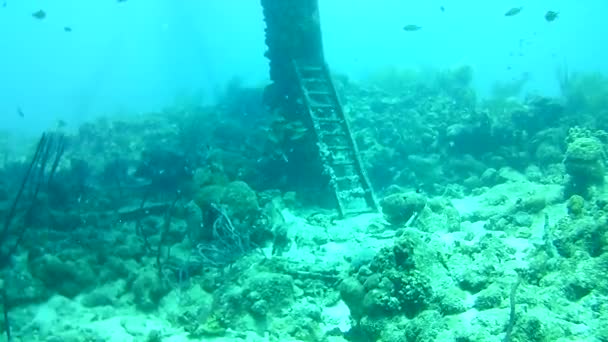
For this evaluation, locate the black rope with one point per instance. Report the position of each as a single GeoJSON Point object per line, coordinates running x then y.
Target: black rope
{"type": "Point", "coordinates": [13, 209]}
{"type": "Point", "coordinates": [7, 323]}
{"type": "Point", "coordinates": [164, 233]}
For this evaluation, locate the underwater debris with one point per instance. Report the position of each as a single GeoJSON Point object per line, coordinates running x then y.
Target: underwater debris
{"type": "Point", "coordinates": [513, 11]}
{"type": "Point", "coordinates": [228, 243]}
{"type": "Point", "coordinates": [67, 29]}
{"type": "Point", "coordinates": [411, 28]}
{"type": "Point", "coordinates": [40, 14]}
{"type": "Point", "coordinates": [551, 16]}
{"type": "Point", "coordinates": [164, 234]}
{"type": "Point", "coordinates": [39, 174]}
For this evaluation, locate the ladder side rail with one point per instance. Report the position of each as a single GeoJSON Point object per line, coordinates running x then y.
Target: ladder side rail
{"type": "Point", "coordinates": [359, 165]}
{"type": "Point", "coordinates": [316, 128]}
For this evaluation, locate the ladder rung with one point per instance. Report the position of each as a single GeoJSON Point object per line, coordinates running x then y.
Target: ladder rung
{"type": "Point", "coordinates": [309, 68]}
{"type": "Point", "coordinates": [339, 148]}
{"type": "Point", "coordinates": [317, 92]}
{"type": "Point", "coordinates": [322, 105]}
{"type": "Point", "coordinates": [352, 191]}
{"type": "Point", "coordinates": [332, 134]}
{"type": "Point", "coordinates": [327, 120]}
{"type": "Point", "coordinates": [342, 162]}
{"type": "Point", "coordinates": [327, 115]}
{"type": "Point", "coordinates": [325, 112]}
{"type": "Point", "coordinates": [347, 178]}
{"type": "Point", "coordinates": [312, 80]}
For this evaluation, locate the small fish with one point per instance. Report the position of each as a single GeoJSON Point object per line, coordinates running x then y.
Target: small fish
{"type": "Point", "coordinates": [67, 29]}
{"type": "Point", "coordinates": [513, 11]}
{"type": "Point", "coordinates": [442, 8]}
{"type": "Point", "coordinates": [20, 112]}
{"type": "Point", "coordinates": [121, 0]}
{"type": "Point", "coordinates": [551, 15]}
{"type": "Point", "coordinates": [411, 28]}
{"type": "Point", "coordinates": [4, 4]}
{"type": "Point", "coordinates": [40, 14]}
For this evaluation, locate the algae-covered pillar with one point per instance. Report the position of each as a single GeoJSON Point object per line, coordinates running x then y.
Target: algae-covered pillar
{"type": "Point", "coordinates": [303, 90]}
{"type": "Point", "coordinates": [293, 32]}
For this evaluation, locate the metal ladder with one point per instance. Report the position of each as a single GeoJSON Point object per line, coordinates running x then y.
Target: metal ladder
{"type": "Point", "coordinates": [337, 148]}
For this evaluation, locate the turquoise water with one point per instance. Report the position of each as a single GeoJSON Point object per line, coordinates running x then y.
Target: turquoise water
{"type": "Point", "coordinates": [302, 170]}
{"type": "Point", "coordinates": [138, 56]}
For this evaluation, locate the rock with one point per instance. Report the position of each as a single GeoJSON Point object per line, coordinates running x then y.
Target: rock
{"type": "Point", "coordinates": [399, 208]}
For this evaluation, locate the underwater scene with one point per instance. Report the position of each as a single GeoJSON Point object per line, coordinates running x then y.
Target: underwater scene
{"type": "Point", "coordinates": [303, 170]}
